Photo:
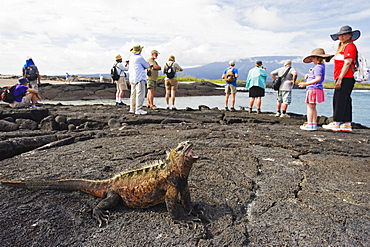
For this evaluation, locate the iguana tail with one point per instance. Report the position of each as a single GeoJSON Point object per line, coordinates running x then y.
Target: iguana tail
{"type": "Point", "coordinates": [96, 188]}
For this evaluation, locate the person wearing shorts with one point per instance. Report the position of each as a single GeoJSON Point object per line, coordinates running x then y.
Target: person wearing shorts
{"type": "Point", "coordinates": [171, 84]}
{"type": "Point", "coordinates": [314, 87]}
{"type": "Point", "coordinates": [284, 93]}
{"type": "Point", "coordinates": [152, 76]}
{"type": "Point", "coordinates": [230, 87]}
{"type": "Point", "coordinates": [24, 96]}
{"type": "Point", "coordinates": [256, 84]}
{"type": "Point", "coordinates": [121, 84]}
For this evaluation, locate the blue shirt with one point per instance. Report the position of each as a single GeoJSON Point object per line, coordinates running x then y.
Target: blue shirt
{"type": "Point", "coordinates": [318, 70]}
{"type": "Point", "coordinates": [235, 70]}
{"type": "Point", "coordinates": [21, 91]}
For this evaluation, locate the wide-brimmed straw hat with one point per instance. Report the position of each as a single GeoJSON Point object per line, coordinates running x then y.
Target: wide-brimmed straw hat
{"type": "Point", "coordinates": [318, 52]}
{"type": "Point", "coordinates": [346, 29]}
{"type": "Point", "coordinates": [118, 57]}
{"type": "Point", "coordinates": [137, 49]}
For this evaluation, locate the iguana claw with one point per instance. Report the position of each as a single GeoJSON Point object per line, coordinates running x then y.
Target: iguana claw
{"type": "Point", "coordinates": [101, 216]}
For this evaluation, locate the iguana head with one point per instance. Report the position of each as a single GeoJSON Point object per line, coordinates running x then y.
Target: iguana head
{"type": "Point", "coordinates": [182, 155]}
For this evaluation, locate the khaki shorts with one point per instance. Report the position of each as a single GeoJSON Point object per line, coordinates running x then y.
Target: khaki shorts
{"type": "Point", "coordinates": [171, 84]}
{"type": "Point", "coordinates": [121, 84]}
{"type": "Point", "coordinates": [151, 84]}
{"type": "Point", "coordinates": [229, 88]}
{"type": "Point", "coordinates": [26, 101]}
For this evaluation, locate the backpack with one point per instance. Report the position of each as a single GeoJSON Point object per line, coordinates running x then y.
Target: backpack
{"type": "Point", "coordinates": [30, 73]}
{"type": "Point", "coordinates": [171, 72]}
{"type": "Point", "coordinates": [8, 94]}
{"type": "Point", "coordinates": [362, 71]}
{"type": "Point", "coordinates": [359, 67]}
{"type": "Point", "coordinates": [230, 76]}
{"type": "Point", "coordinates": [114, 73]}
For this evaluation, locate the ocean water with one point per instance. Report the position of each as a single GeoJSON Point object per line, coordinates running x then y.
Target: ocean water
{"type": "Point", "coordinates": [360, 103]}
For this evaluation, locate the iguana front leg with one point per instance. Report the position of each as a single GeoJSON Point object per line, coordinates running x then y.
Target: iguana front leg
{"type": "Point", "coordinates": [100, 212]}
{"type": "Point", "coordinates": [185, 199]}
{"type": "Point", "coordinates": [171, 202]}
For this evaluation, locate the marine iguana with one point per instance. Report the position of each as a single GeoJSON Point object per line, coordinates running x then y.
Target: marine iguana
{"type": "Point", "coordinates": [158, 182]}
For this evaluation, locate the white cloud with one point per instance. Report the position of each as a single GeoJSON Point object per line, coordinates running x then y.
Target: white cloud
{"type": "Point", "coordinates": [84, 36]}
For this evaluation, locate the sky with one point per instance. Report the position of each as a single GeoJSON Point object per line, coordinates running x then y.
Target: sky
{"type": "Point", "coordinates": [84, 36]}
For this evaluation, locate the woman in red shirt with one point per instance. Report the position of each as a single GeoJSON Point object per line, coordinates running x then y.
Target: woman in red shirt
{"type": "Point", "coordinates": [344, 67]}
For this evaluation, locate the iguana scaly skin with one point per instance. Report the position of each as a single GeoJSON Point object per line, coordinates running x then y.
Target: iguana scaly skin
{"type": "Point", "coordinates": [161, 181]}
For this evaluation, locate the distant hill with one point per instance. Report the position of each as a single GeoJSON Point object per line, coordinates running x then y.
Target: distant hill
{"type": "Point", "coordinates": [213, 71]}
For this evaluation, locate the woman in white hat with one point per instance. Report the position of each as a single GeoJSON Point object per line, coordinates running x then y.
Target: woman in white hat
{"type": "Point", "coordinates": [314, 87]}
{"type": "Point", "coordinates": [344, 68]}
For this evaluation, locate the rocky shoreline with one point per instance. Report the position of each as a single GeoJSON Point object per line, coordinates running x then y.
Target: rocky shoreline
{"type": "Point", "coordinates": [260, 180]}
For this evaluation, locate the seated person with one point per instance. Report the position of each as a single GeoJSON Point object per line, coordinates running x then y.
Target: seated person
{"type": "Point", "coordinates": [24, 96]}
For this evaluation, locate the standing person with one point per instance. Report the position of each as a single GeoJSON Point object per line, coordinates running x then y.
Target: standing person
{"type": "Point", "coordinates": [121, 83]}
{"type": "Point", "coordinates": [230, 75]}
{"type": "Point", "coordinates": [137, 76]}
{"type": "Point", "coordinates": [31, 72]}
{"type": "Point", "coordinates": [152, 76]}
{"type": "Point", "coordinates": [256, 84]}
{"type": "Point", "coordinates": [284, 94]}
{"type": "Point", "coordinates": [171, 82]}
{"type": "Point", "coordinates": [344, 68]}
{"type": "Point", "coordinates": [68, 78]}
{"type": "Point", "coordinates": [24, 96]}
{"type": "Point", "coordinates": [101, 78]}
{"type": "Point", "coordinates": [314, 87]}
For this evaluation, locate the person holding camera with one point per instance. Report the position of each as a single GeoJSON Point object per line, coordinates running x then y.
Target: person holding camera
{"type": "Point", "coordinates": [256, 84]}
{"type": "Point", "coordinates": [121, 83]}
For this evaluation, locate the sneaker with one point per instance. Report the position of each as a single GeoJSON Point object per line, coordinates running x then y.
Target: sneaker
{"type": "Point", "coordinates": [120, 103]}
{"type": "Point", "coordinates": [345, 128]}
{"type": "Point", "coordinates": [140, 112]}
{"type": "Point", "coordinates": [33, 106]}
{"type": "Point", "coordinates": [331, 126]}
{"type": "Point", "coordinates": [232, 109]}
{"type": "Point", "coordinates": [174, 109]}
{"type": "Point", "coordinates": [226, 108]}
{"type": "Point", "coordinates": [308, 127]}
{"type": "Point", "coordinates": [285, 115]}
{"type": "Point", "coordinates": [258, 111]}
{"type": "Point", "coordinates": [277, 114]}
{"type": "Point", "coordinates": [153, 107]}
{"type": "Point", "coordinates": [132, 110]}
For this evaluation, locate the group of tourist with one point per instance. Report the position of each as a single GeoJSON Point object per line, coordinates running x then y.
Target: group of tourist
{"type": "Point", "coordinates": [344, 68]}
{"type": "Point", "coordinates": [143, 74]}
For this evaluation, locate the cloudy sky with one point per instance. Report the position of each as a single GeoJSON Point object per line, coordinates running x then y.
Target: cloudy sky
{"type": "Point", "coordinates": [84, 36]}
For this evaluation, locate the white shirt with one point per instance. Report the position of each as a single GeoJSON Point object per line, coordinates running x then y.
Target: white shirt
{"type": "Point", "coordinates": [121, 69]}
{"type": "Point", "coordinates": [137, 68]}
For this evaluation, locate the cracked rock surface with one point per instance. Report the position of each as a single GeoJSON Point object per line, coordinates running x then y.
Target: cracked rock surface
{"type": "Point", "coordinates": [261, 181]}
